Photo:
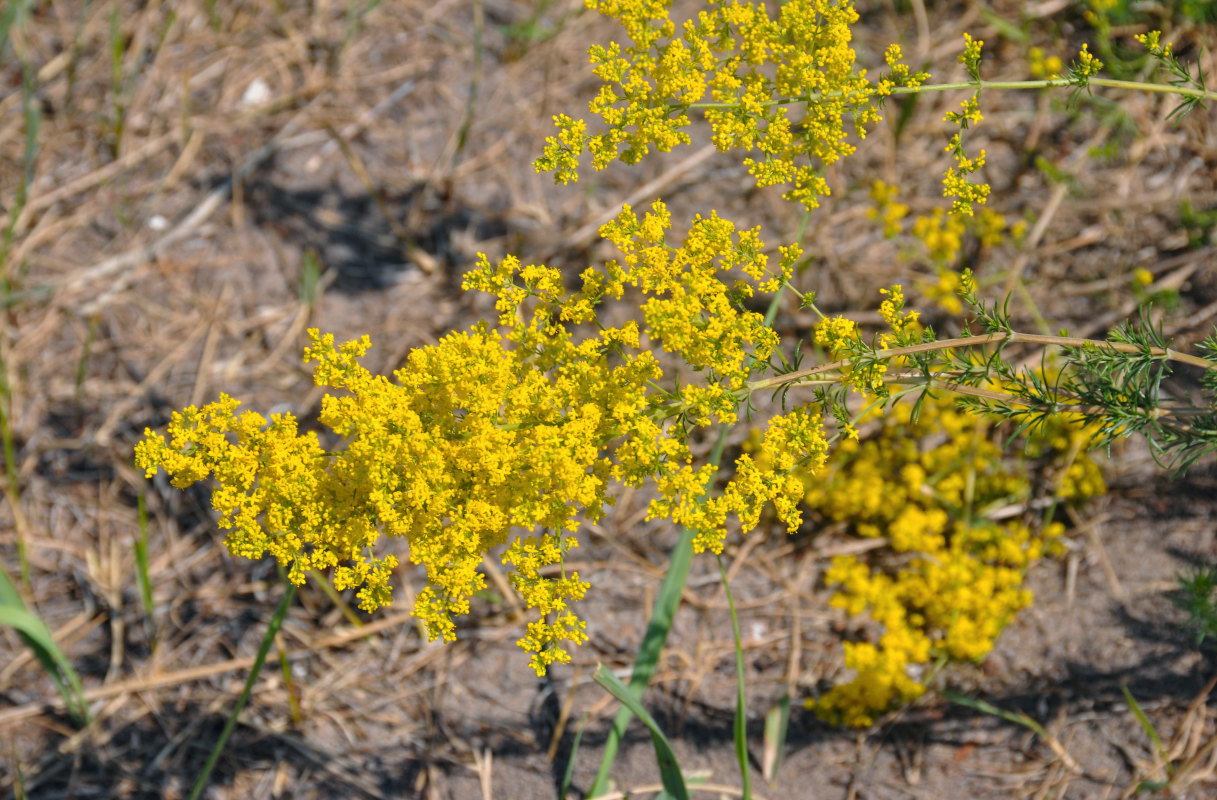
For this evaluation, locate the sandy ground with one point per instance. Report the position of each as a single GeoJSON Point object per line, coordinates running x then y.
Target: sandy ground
{"type": "Point", "coordinates": [165, 259]}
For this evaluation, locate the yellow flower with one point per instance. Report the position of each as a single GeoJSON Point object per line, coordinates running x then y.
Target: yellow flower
{"type": "Point", "coordinates": [959, 582]}
{"type": "Point", "coordinates": [508, 437]}
{"type": "Point", "coordinates": [745, 60]}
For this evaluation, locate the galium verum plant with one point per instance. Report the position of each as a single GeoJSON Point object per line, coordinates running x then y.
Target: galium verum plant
{"type": "Point", "coordinates": [520, 426]}
{"type": "Point", "coordinates": [508, 434]}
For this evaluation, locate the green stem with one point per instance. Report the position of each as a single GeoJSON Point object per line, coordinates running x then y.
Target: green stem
{"type": "Point", "coordinates": [741, 704]}
{"type": "Point", "coordinates": [798, 376]}
{"type": "Point", "coordinates": [1057, 83]}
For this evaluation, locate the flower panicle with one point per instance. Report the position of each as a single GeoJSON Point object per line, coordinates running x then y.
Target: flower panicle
{"type": "Point", "coordinates": [732, 62]}
{"type": "Point", "coordinates": [508, 436]}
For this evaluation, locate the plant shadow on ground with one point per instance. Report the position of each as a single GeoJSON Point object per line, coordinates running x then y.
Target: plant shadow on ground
{"type": "Point", "coordinates": [143, 760]}
{"type": "Point", "coordinates": [369, 238]}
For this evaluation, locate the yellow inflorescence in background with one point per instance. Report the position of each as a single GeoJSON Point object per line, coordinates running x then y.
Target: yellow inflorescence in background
{"type": "Point", "coordinates": [942, 234]}
{"type": "Point", "coordinates": [1043, 66]}
{"type": "Point", "coordinates": [949, 579]}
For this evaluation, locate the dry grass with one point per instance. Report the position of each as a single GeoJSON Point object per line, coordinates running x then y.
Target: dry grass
{"type": "Point", "coordinates": [162, 257]}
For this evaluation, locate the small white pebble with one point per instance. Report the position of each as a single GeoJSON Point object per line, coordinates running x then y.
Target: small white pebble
{"type": "Point", "coordinates": [258, 93]}
{"type": "Point", "coordinates": [158, 223]}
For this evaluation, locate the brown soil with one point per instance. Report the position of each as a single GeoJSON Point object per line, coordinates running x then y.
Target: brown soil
{"type": "Point", "coordinates": [160, 263]}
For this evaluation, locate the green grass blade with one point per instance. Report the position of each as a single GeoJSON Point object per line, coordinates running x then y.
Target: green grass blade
{"type": "Point", "coordinates": [37, 636]}
{"type": "Point", "coordinates": [86, 351]}
{"type": "Point", "coordinates": [1005, 28]}
{"type": "Point", "coordinates": [669, 769]}
{"type": "Point", "coordinates": [18, 780]}
{"type": "Point", "coordinates": [1018, 719]}
{"type": "Point", "coordinates": [777, 720]}
{"type": "Point", "coordinates": [293, 693]}
{"type": "Point", "coordinates": [14, 14]}
{"type": "Point", "coordinates": [335, 596]}
{"type": "Point", "coordinates": [142, 582]}
{"type": "Point", "coordinates": [649, 651]}
{"type": "Point", "coordinates": [310, 278]}
{"type": "Point", "coordinates": [276, 621]}
{"type": "Point", "coordinates": [1146, 725]}
{"type": "Point", "coordinates": [32, 116]}
{"type": "Point", "coordinates": [989, 708]}
{"type": "Point", "coordinates": [653, 640]}
{"type": "Point", "coordinates": [569, 772]}
{"type": "Point", "coordinates": [741, 702]}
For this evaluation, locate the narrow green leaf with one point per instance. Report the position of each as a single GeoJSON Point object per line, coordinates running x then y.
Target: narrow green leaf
{"type": "Point", "coordinates": [741, 702]}
{"type": "Point", "coordinates": [142, 581]}
{"type": "Point", "coordinates": [1146, 725]}
{"type": "Point", "coordinates": [989, 708]}
{"type": "Point", "coordinates": [310, 278]}
{"type": "Point", "coordinates": [569, 772]}
{"type": "Point", "coordinates": [1005, 28]}
{"type": "Point", "coordinates": [14, 14]}
{"type": "Point", "coordinates": [777, 720]}
{"type": "Point", "coordinates": [649, 651]}
{"type": "Point", "coordinates": [37, 636]}
{"type": "Point", "coordinates": [276, 621]}
{"type": "Point", "coordinates": [669, 769]}
{"type": "Point", "coordinates": [666, 603]}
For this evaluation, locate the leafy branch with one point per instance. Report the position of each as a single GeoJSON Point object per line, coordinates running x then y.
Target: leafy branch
{"type": "Point", "coordinates": [1115, 385]}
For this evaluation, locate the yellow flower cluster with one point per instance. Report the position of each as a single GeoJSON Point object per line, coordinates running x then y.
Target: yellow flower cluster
{"type": "Point", "coordinates": [792, 442]}
{"type": "Point", "coordinates": [693, 313]}
{"type": "Point", "coordinates": [943, 290]}
{"type": "Point", "coordinates": [1152, 42]}
{"type": "Point", "coordinates": [899, 75]}
{"type": "Point", "coordinates": [904, 327]}
{"type": "Point", "coordinates": [469, 441]}
{"type": "Point", "coordinates": [887, 208]}
{"type": "Point", "coordinates": [942, 234]}
{"type": "Point", "coordinates": [842, 340]}
{"type": "Point", "coordinates": [955, 183]}
{"type": "Point", "coordinates": [943, 237]}
{"type": "Point", "coordinates": [1063, 440]}
{"type": "Point", "coordinates": [956, 578]}
{"type": "Point", "coordinates": [516, 428]}
{"type": "Point", "coordinates": [970, 57]}
{"type": "Point", "coordinates": [690, 307]}
{"type": "Point", "coordinates": [1087, 66]}
{"type": "Point", "coordinates": [861, 369]}
{"type": "Point", "coordinates": [756, 69]}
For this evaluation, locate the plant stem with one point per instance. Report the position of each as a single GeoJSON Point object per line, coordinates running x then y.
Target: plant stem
{"type": "Point", "coordinates": [741, 706]}
{"type": "Point", "coordinates": [1111, 83]}
{"type": "Point", "coordinates": [980, 341]}
{"type": "Point", "coordinates": [1050, 83]}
